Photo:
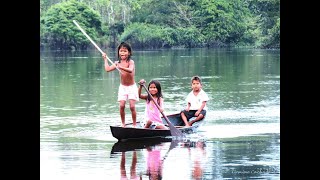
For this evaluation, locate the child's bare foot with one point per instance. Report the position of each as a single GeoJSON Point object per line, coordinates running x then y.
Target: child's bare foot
{"type": "Point", "coordinates": [191, 122]}
{"type": "Point", "coordinates": [123, 125]}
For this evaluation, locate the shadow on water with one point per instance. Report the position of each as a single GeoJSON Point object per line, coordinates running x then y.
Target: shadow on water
{"type": "Point", "coordinates": [131, 145]}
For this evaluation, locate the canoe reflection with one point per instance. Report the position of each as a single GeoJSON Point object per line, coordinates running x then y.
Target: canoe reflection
{"type": "Point", "coordinates": [121, 146]}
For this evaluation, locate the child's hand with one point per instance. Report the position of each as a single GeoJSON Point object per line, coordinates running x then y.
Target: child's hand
{"type": "Point", "coordinates": [116, 63]}
{"type": "Point", "coordinates": [142, 82]}
{"type": "Point", "coordinates": [104, 55]}
{"type": "Point", "coordinates": [197, 113]}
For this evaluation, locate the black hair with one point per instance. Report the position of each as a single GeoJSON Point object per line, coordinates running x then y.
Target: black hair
{"type": "Point", "coordinates": [159, 93]}
{"type": "Point", "coordinates": [127, 46]}
{"type": "Point", "coordinates": [196, 78]}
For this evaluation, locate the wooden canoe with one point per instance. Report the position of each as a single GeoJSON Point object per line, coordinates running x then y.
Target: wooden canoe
{"type": "Point", "coordinates": [128, 132]}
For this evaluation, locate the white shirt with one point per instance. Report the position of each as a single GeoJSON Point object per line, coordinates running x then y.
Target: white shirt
{"type": "Point", "coordinates": [196, 101]}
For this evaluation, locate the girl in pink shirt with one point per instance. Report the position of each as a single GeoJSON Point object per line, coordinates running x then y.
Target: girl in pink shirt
{"type": "Point", "coordinates": [153, 114]}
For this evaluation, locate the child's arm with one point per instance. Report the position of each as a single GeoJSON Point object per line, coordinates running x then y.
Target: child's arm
{"type": "Point", "coordinates": [142, 96]}
{"type": "Point", "coordinates": [161, 105]}
{"type": "Point", "coordinates": [201, 107]}
{"type": "Point", "coordinates": [129, 69]}
{"type": "Point", "coordinates": [188, 106]}
{"type": "Point", "coordinates": [106, 65]}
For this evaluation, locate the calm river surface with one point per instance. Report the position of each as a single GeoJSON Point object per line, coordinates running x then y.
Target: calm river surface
{"type": "Point", "coordinates": [240, 138]}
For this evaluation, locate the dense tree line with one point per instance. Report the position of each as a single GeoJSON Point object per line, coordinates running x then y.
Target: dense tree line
{"type": "Point", "coordinates": [158, 24]}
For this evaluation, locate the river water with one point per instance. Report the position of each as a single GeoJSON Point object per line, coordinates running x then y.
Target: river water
{"type": "Point", "coordinates": [240, 138]}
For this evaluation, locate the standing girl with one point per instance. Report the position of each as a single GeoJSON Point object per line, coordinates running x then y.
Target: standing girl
{"type": "Point", "coordinates": [128, 89]}
{"type": "Point", "coordinates": [153, 114]}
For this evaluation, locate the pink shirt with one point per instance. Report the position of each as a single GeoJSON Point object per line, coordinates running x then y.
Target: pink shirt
{"type": "Point", "coordinates": [152, 112]}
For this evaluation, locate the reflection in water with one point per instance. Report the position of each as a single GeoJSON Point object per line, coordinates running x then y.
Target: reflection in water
{"type": "Point", "coordinates": [197, 156]}
{"type": "Point", "coordinates": [154, 162]}
{"type": "Point", "coordinates": [156, 153]}
{"type": "Point", "coordinates": [133, 173]}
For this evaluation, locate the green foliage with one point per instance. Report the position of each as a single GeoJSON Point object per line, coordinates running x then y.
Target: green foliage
{"type": "Point", "coordinates": [144, 35]}
{"type": "Point", "coordinates": [222, 22]}
{"type": "Point", "coordinates": [253, 31]}
{"type": "Point", "coordinates": [154, 36]}
{"type": "Point", "coordinates": [165, 23]}
{"type": "Point", "coordinates": [268, 13]}
{"type": "Point", "coordinates": [59, 30]}
{"type": "Point", "coordinates": [273, 38]}
{"type": "Point", "coordinates": [190, 37]}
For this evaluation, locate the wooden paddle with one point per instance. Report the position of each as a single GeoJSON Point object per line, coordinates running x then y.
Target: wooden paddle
{"type": "Point", "coordinates": [173, 130]}
{"type": "Point", "coordinates": [95, 45]}
{"type": "Point", "coordinates": [173, 144]}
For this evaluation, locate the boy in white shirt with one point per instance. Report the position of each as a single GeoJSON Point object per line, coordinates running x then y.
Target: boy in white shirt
{"type": "Point", "coordinates": [196, 100]}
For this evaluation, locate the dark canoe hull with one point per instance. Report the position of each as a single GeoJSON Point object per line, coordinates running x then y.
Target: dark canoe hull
{"type": "Point", "coordinates": [139, 132]}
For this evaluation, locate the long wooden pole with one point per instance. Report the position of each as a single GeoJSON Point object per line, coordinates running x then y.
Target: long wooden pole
{"type": "Point", "coordinates": [95, 45]}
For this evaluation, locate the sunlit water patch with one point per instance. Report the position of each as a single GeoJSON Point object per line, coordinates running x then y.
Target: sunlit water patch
{"type": "Point", "coordinates": [237, 130]}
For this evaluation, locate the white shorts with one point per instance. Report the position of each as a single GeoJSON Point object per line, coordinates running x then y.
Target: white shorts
{"type": "Point", "coordinates": [128, 92]}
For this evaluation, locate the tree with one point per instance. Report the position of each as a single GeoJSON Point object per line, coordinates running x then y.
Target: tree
{"type": "Point", "coordinates": [222, 22]}
{"type": "Point", "coordinates": [61, 33]}
{"type": "Point", "coordinates": [268, 14]}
